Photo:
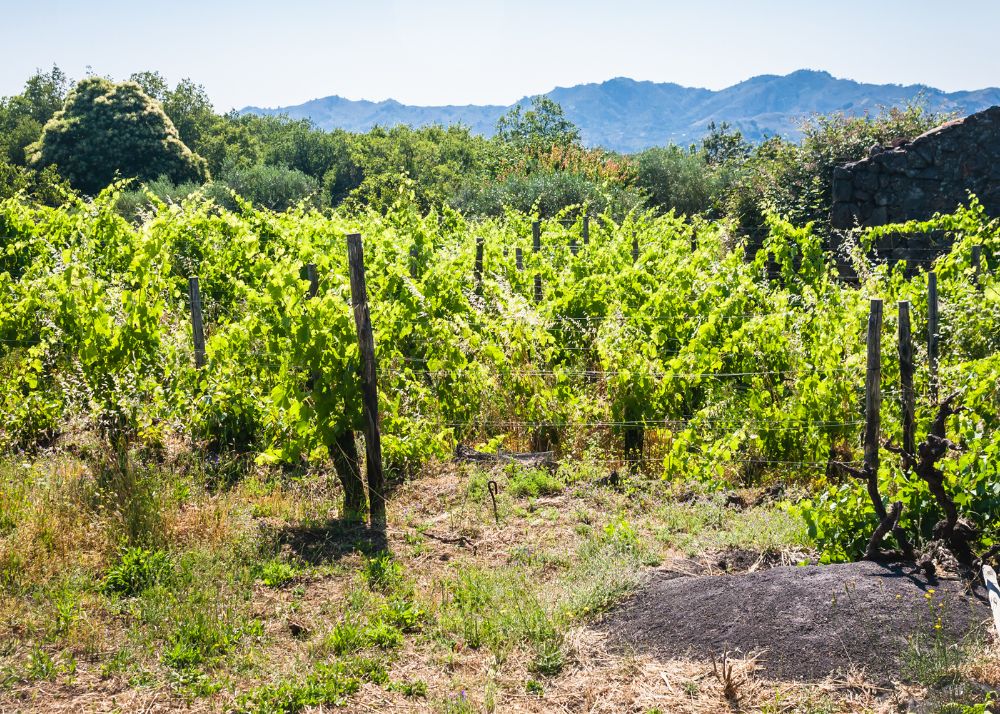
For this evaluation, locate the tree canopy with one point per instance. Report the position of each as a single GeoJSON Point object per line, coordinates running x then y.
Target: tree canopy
{"type": "Point", "coordinates": [107, 130]}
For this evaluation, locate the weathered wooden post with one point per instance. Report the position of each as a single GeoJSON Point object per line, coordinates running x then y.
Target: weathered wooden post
{"type": "Point", "coordinates": [313, 277]}
{"type": "Point", "coordinates": [635, 250]}
{"type": "Point", "coordinates": [414, 257]}
{"type": "Point", "coordinates": [369, 384]}
{"type": "Point", "coordinates": [873, 405]}
{"type": "Point", "coordinates": [478, 269]}
{"type": "Point", "coordinates": [573, 248]}
{"type": "Point", "coordinates": [906, 396]}
{"type": "Point", "coordinates": [519, 258]}
{"type": "Point", "coordinates": [932, 331]}
{"type": "Point", "coordinates": [586, 229]}
{"type": "Point", "coordinates": [536, 236]}
{"type": "Point", "coordinates": [538, 288]}
{"type": "Point", "coordinates": [977, 253]}
{"type": "Point", "coordinates": [197, 327]}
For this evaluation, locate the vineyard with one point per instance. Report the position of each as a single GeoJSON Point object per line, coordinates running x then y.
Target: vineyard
{"type": "Point", "coordinates": [647, 356]}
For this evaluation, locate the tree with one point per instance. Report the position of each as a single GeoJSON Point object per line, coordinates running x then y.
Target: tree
{"type": "Point", "coordinates": [187, 105]}
{"type": "Point", "coordinates": [723, 145]}
{"type": "Point", "coordinates": [538, 129]}
{"type": "Point", "coordinates": [108, 130]}
{"type": "Point", "coordinates": [22, 116]}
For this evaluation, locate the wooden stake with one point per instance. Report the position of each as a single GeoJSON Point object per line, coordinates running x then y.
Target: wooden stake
{"type": "Point", "coordinates": [573, 248]}
{"type": "Point", "coordinates": [538, 288]}
{"type": "Point", "coordinates": [197, 327]}
{"type": "Point", "coordinates": [313, 279]}
{"type": "Point", "coordinates": [873, 405]}
{"type": "Point", "coordinates": [369, 385]}
{"type": "Point", "coordinates": [932, 331]}
{"type": "Point", "coordinates": [536, 236]}
{"type": "Point", "coordinates": [977, 252]}
{"type": "Point", "coordinates": [635, 250]}
{"type": "Point", "coordinates": [586, 230]}
{"type": "Point", "coordinates": [478, 270]}
{"type": "Point", "coordinates": [907, 397]}
{"type": "Point", "coordinates": [519, 258]}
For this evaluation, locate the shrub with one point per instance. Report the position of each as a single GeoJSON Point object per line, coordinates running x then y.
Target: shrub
{"type": "Point", "coordinates": [676, 179]}
{"type": "Point", "coordinates": [547, 193]}
{"type": "Point", "coordinates": [277, 188]}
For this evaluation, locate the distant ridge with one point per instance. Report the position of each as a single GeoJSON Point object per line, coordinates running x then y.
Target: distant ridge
{"type": "Point", "coordinates": [626, 115]}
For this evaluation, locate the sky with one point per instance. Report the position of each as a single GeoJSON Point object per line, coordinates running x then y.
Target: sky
{"type": "Point", "coordinates": [268, 53]}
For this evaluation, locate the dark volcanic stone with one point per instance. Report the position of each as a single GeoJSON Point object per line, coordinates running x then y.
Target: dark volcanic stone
{"type": "Point", "coordinates": [913, 181]}
{"type": "Point", "coordinates": [807, 622]}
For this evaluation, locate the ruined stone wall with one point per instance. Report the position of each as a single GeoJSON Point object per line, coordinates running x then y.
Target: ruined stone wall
{"type": "Point", "coordinates": [933, 173]}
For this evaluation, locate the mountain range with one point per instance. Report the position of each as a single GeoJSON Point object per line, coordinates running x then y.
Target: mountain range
{"type": "Point", "coordinates": [627, 115]}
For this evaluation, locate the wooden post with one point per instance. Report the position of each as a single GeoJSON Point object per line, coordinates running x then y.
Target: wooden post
{"type": "Point", "coordinates": [414, 257]}
{"type": "Point", "coordinates": [873, 405]}
{"type": "Point", "coordinates": [197, 327]}
{"type": "Point", "coordinates": [369, 386]}
{"type": "Point", "coordinates": [977, 252]}
{"type": "Point", "coordinates": [478, 270]}
{"type": "Point", "coordinates": [586, 229]}
{"type": "Point", "coordinates": [536, 236]}
{"type": "Point", "coordinates": [635, 250]}
{"type": "Point", "coordinates": [932, 331]}
{"type": "Point", "coordinates": [313, 279]}
{"type": "Point", "coordinates": [519, 258]}
{"type": "Point", "coordinates": [573, 248]}
{"type": "Point", "coordinates": [906, 396]}
{"type": "Point", "coordinates": [538, 287]}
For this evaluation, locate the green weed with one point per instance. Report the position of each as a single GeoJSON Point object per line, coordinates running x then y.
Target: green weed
{"type": "Point", "coordinates": [277, 573]}
{"type": "Point", "coordinates": [382, 572]}
{"type": "Point", "coordinates": [327, 685]}
{"type": "Point", "coordinates": [137, 569]}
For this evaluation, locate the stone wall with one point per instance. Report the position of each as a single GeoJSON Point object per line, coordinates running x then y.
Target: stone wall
{"type": "Point", "coordinates": [933, 173]}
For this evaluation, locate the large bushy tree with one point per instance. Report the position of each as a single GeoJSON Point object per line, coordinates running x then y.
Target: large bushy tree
{"type": "Point", "coordinates": [107, 130]}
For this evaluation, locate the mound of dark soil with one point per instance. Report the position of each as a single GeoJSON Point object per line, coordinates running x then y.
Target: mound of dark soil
{"type": "Point", "coordinates": [808, 622]}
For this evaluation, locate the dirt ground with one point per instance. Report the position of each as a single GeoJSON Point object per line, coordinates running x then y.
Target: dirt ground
{"type": "Point", "coordinates": [805, 623]}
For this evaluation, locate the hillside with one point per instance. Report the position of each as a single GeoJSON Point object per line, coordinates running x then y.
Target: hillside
{"type": "Point", "coordinates": [627, 115]}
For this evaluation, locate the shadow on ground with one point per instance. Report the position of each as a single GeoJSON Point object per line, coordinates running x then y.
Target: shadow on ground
{"type": "Point", "coordinates": [317, 544]}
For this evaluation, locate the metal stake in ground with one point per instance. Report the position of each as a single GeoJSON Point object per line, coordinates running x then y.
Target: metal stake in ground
{"type": "Point", "coordinates": [369, 386]}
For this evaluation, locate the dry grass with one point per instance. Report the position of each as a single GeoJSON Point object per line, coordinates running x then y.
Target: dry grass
{"type": "Point", "coordinates": [504, 606]}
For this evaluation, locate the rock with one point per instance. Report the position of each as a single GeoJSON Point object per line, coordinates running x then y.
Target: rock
{"type": "Point", "coordinates": [913, 180]}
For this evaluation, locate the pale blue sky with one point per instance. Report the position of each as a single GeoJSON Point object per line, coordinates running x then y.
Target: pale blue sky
{"type": "Point", "coordinates": [433, 52]}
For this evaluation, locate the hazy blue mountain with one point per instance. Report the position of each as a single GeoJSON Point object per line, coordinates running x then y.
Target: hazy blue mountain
{"type": "Point", "coordinates": [626, 115]}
